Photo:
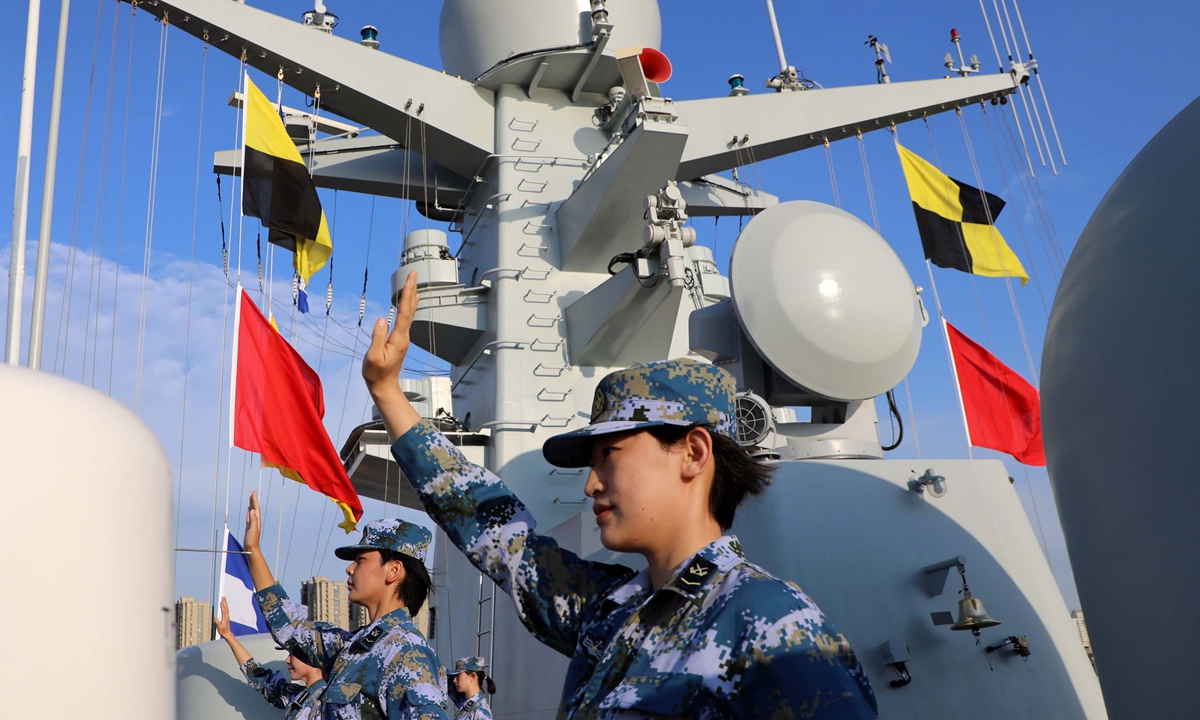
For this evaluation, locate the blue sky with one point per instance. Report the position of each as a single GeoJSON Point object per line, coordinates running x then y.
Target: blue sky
{"type": "Point", "coordinates": [1110, 71]}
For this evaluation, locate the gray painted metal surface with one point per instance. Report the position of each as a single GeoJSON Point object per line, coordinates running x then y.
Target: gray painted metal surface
{"type": "Point", "coordinates": [211, 687]}
{"type": "Point", "coordinates": [1119, 397]}
{"type": "Point", "coordinates": [388, 94]}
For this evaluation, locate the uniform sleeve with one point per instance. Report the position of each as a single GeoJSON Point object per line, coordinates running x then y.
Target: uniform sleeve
{"type": "Point", "coordinates": [799, 665]}
{"type": "Point", "coordinates": [413, 686]}
{"type": "Point", "coordinates": [316, 643]}
{"type": "Point", "coordinates": [550, 587]}
{"type": "Point", "coordinates": [271, 684]}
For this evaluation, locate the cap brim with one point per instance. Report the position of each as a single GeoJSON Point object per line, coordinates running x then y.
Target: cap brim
{"type": "Point", "coordinates": [351, 551]}
{"type": "Point", "coordinates": [574, 449]}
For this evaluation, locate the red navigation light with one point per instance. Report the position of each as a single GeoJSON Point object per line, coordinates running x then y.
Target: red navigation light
{"type": "Point", "coordinates": [953, 35]}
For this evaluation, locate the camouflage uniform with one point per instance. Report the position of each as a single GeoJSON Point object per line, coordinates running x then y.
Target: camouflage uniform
{"type": "Point", "coordinates": [722, 639]}
{"type": "Point", "coordinates": [298, 702]}
{"type": "Point", "coordinates": [475, 707]}
{"type": "Point", "coordinates": [385, 670]}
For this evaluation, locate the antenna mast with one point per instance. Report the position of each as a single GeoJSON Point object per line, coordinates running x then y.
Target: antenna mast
{"type": "Point", "coordinates": [783, 64]}
{"type": "Point", "coordinates": [788, 78]}
{"type": "Point", "coordinates": [16, 267]}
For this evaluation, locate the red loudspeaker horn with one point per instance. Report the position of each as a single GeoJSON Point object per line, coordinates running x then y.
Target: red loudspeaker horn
{"type": "Point", "coordinates": [655, 65]}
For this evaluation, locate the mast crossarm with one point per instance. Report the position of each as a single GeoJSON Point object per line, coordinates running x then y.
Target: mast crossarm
{"type": "Point", "coordinates": [770, 125]}
{"type": "Point", "coordinates": [372, 165]}
{"type": "Point", "coordinates": [716, 196]}
{"type": "Point", "coordinates": [369, 87]}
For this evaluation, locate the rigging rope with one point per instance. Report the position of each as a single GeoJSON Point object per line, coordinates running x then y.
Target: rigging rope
{"type": "Point", "coordinates": [1028, 102]}
{"type": "Point", "coordinates": [151, 201]}
{"type": "Point", "coordinates": [112, 345]}
{"type": "Point", "coordinates": [1017, 216]}
{"type": "Point", "coordinates": [224, 342]}
{"type": "Point", "coordinates": [862, 153]}
{"type": "Point", "coordinates": [1039, 224]}
{"type": "Point", "coordinates": [187, 343]}
{"type": "Point", "coordinates": [101, 208]}
{"type": "Point", "coordinates": [64, 309]}
{"type": "Point", "coordinates": [992, 221]}
{"type": "Point", "coordinates": [837, 196]}
{"type": "Point", "coordinates": [987, 332]}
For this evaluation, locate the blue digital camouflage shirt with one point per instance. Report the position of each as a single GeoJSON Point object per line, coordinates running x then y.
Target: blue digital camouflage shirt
{"type": "Point", "coordinates": [385, 670]}
{"type": "Point", "coordinates": [474, 708]}
{"type": "Point", "coordinates": [298, 702]}
{"type": "Point", "coordinates": [722, 639]}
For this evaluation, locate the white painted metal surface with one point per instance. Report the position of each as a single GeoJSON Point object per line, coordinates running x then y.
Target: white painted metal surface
{"type": "Point", "coordinates": [86, 551]}
{"type": "Point", "coordinates": [1119, 397]}
{"type": "Point", "coordinates": [476, 34]}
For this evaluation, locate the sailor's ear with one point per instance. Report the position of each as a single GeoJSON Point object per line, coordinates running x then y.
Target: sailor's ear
{"type": "Point", "coordinates": [395, 572]}
{"type": "Point", "coordinates": [698, 453]}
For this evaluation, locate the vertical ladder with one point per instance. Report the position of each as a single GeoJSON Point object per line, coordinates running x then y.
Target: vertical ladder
{"type": "Point", "coordinates": [487, 607]}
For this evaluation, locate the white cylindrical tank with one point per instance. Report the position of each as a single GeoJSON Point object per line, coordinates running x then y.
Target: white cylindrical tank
{"type": "Point", "coordinates": [476, 34]}
{"type": "Point", "coordinates": [86, 553]}
{"type": "Point", "coordinates": [1119, 396]}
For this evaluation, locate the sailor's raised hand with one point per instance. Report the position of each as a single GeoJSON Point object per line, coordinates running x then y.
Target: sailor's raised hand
{"type": "Point", "coordinates": [253, 525]}
{"type": "Point", "coordinates": [222, 622]}
{"type": "Point", "coordinates": [383, 360]}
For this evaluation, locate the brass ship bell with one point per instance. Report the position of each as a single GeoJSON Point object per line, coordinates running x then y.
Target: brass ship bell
{"type": "Point", "coordinates": [971, 615]}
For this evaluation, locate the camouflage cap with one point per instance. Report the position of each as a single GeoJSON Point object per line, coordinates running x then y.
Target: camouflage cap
{"type": "Point", "coordinates": [390, 534]}
{"type": "Point", "coordinates": [668, 392]}
{"type": "Point", "coordinates": [468, 664]}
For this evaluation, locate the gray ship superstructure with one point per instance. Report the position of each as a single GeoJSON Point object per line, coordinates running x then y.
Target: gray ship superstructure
{"type": "Point", "coordinates": [571, 178]}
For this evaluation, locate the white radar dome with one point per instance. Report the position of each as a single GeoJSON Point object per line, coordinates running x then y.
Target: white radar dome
{"type": "Point", "coordinates": [474, 35]}
{"type": "Point", "coordinates": [825, 300]}
{"type": "Point", "coordinates": [1120, 391]}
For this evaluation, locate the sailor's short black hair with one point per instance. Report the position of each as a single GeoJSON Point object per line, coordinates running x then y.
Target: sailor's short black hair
{"type": "Point", "coordinates": [413, 591]}
{"type": "Point", "coordinates": [737, 475]}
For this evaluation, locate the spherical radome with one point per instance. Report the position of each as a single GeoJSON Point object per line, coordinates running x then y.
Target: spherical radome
{"type": "Point", "coordinates": [825, 300]}
{"type": "Point", "coordinates": [1120, 392]}
{"type": "Point", "coordinates": [476, 34]}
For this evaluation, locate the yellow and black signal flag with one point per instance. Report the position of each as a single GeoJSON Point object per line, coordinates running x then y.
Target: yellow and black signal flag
{"type": "Point", "coordinates": [957, 229]}
{"type": "Point", "coordinates": [280, 192]}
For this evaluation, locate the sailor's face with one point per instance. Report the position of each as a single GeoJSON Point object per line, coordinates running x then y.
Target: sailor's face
{"type": "Point", "coordinates": [466, 683]}
{"type": "Point", "coordinates": [634, 484]}
{"type": "Point", "coordinates": [366, 578]}
{"type": "Point", "coordinates": [296, 669]}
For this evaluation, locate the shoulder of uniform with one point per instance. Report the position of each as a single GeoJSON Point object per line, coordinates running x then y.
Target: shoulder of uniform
{"type": "Point", "coordinates": [769, 597]}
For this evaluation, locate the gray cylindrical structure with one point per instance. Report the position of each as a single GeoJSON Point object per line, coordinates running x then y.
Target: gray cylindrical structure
{"type": "Point", "coordinates": [1119, 399]}
{"type": "Point", "coordinates": [476, 34]}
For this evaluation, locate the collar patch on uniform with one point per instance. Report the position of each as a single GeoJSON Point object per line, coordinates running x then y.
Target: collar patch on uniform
{"type": "Point", "coordinates": [697, 574]}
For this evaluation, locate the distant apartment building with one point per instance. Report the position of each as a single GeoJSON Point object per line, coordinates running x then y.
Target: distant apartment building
{"type": "Point", "coordinates": [326, 601]}
{"type": "Point", "coordinates": [193, 622]}
{"type": "Point", "coordinates": [1081, 627]}
{"type": "Point", "coordinates": [359, 618]}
